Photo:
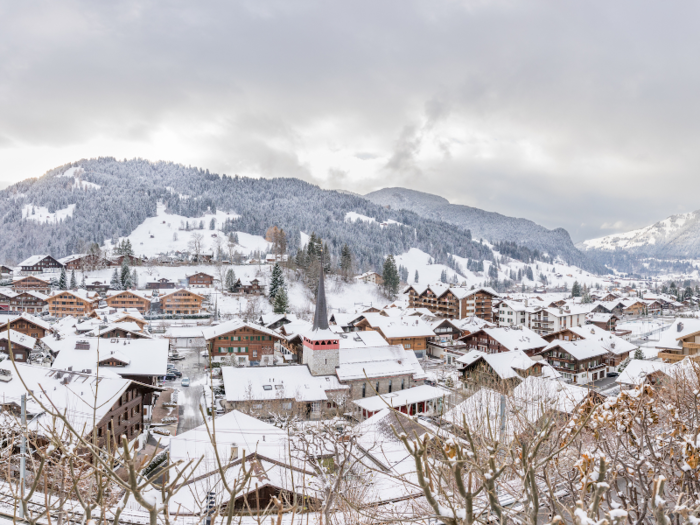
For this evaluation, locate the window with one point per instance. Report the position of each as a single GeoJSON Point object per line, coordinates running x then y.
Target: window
{"type": "Point", "coordinates": [255, 353]}
{"type": "Point", "coordinates": [377, 389]}
{"type": "Point", "coordinates": [402, 384]}
{"type": "Point", "coordinates": [407, 345]}
{"type": "Point", "coordinates": [390, 386]}
{"type": "Point", "coordinates": [364, 389]}
{"type": "Point", "coordinates": [267, 387]}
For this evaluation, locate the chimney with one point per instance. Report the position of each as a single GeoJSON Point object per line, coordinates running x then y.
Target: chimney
{"type": "Point", "coordinates": [680, 327]}
{"type": "Point", "coordinates": [234, 451]}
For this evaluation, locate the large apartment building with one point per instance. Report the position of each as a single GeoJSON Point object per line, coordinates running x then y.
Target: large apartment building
{"type": "Point", "coordinates": [77, 303]}
{"type": "Point", "coordinates": [181, 302]}
{"type": "Point", "coordinates": [129, 299]}
{"type": "Point", "coordinates": [454, 302]}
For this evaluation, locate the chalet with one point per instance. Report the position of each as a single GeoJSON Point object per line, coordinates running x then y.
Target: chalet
{"type": "Point", "coordinates": [30, 302]}
{"type": "Point", "coordinates": [81, 261]}
{"type": "Point", "coordinates": [136, 299]}
{"type": "Point", "coordinates": [26, 324]}
{"type": "Point", "coordinates": [604, 321]}
{"type": "Point", "coordinates": [5, 297]}
{"type": "Point", "coordinates": [370, 277]}
{"type": "Point", "coordinates": [76, 303]}
{"type": "Point", "coordinates": [345, 322]}
{"type": "Point", "coordinates": [447, 332]}
{"type": "Point", "coordinates": [181, 302]}
{"type": "Point", "coordinates": [160, 284]}
{"type": "Point", "coordinates": [241, 341]}
{"type": "Point", "coordinates": [5, 270]}
{"type": "Point", "coordinates": [634, 307]}
{"type": "Point", "coordinates": [253, 287]}
{"type": "Point", "coordinates": [143, 360]}
{"type": "Point", "coordinates": [504, 339]}
{"type": "Point", "coordinates": [640, 371]}
{"type": "Point", "coordinates": [31, 283]}
{"type": "Point", "coordinates": [185, 337]}
{"type": "Point", "coordinates": [506, 369]}
{"type": "Point", "coordinates": [617, 348]}
{"type": "Point", "coordinates": [454, 302]}
{"type": "Point", "coordinates": [200, 280]}
{"type": "Point", "coordinates": [39, 264]}
{"type": "Point", "coordinates": [22, 345]}
{"type": "Point", "coordinates": [119, 315]}
{"type": "Point", "coordinates": [118, 404]}
{"type": "Point", "coordinates": [95, 285]}
{"type": "Point", "coordinates": [119, 331]}
{"type": "Point", "coordinates": [517, 313]}
{"type": "Point", "coordinates": [274, 321]}
{"type": "Point", "coordinates": [681, 340]}
{"type": "Point", "coordinates": [580, 361]}
{"type": "Point", "coordinates": [293, 339]}
{"type": "Point", "coordinates": [424, 399]}
{"type": "Point", "coordinates": [411, 333]}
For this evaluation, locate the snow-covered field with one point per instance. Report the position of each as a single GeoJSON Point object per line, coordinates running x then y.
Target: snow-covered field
{"type": "Point", "coordinates": [163, 233]}
{"type": "Point", "coordinates": [41, 214]}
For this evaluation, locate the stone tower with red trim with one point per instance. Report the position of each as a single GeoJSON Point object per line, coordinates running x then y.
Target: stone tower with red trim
{"type": "Point", "coordinates": [321, 345]}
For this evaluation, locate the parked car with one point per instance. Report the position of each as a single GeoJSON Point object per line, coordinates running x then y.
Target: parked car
{"type": "Point", "coordinates": [175, 372]}
{"type": "Point", "coordinates": [169, 377]}
{"type": "Point", "coordinates": [185, 381]}
{"type": "Point", "coordinates": [613, 374]}
{"type": "Point", "coordinates": [176, 357]}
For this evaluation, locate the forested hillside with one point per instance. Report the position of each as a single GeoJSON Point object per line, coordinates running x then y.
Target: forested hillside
{"type": "Point", "coordinates": [111, 198]}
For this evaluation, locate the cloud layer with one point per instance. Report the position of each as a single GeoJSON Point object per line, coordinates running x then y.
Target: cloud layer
{"type": "Point", "coordinates": [575, 114]}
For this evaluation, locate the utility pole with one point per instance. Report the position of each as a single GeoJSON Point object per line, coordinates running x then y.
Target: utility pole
{"type": "Point", "coordinates": [23, 452]}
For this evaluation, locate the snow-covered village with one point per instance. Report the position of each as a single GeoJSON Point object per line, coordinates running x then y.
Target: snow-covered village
{"type": "Point", "coordinates": [361, 263]}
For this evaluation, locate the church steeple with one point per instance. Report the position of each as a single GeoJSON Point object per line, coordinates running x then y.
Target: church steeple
{"type": "Point", "coordinates": [321, 313]}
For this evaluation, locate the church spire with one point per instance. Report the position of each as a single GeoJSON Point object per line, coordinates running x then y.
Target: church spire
{"type": "Point", "coordinates": [321, 315]}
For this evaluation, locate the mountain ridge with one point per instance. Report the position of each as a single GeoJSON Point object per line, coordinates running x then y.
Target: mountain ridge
{"type": "Point", "coordinates": [491, 226]}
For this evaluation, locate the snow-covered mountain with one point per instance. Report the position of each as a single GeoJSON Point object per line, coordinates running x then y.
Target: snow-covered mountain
{"type": "Point", "coordinates": [675, 236]}
{"type": "Point", "coordinates": [488, 225]}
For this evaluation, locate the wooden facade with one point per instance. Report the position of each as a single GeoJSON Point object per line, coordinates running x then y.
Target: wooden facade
{"type": "Point", "coordinates": [29, 302]}
{"type": "Point", "coordinates": [160, 284]}
{"type": "Point", "coordinates": [200, 280]}
{"type": "Point", "coordinates": [567, 365]}
{"type": "Point", "coordinates": [243, 341]}
{"type": "Point", "coordinates": [181, 302]}
{"type": "Point", "coordinates": [129, 299]}
{"type": "Point", "coordinates": [26, 326]}
{"type": "Point", "coordinates": [31, 283]}
{"type": "Point", "coordinates": [455, 304]}
{"type": "Point", "coordinates": [67, 303]}
{"type": "Point", "coordinates": [126, 415]}
{"type": "Point", "coordinates": [40, 264]}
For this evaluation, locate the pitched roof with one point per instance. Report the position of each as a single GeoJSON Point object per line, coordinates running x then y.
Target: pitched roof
{"type": "Point", "coordinates": [608, 340]}
{"type": "Point", "coordinates": [515, 338]}
{"type": "Point", "coordinates": [229, 326]}
{"type": "Point", "coordinates": [33, 260]}
{"type": "Point", "coordinates": [400, 398]}
{"type": "Point", "coordinates": [18, 338]}
{"type": "Point", "coordinates": [581, 349]}
{"type": "Point", "coordinates": [381, 361]}
{"type": "Point", "coordinates": [637, 370]}
{"type": "Point", "coordinates": [504, 364]}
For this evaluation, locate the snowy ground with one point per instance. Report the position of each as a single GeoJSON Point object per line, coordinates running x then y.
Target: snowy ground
{"type": "Point", "coordinates": [166, 233]}
{"type": "Point", "coordinates": [643, 327]}
{"type": "Point", "coordinates": [41, 214]}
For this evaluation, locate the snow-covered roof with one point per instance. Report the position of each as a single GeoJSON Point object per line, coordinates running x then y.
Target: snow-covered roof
{"type": "Point", "coordinates": [18, 338]}
{"type": "Point", "coordinates": [571, 309]}
{"type": "Point", "coordinates": [33, 260]}
{"type": "Point", "coordinates": [400, 398]}
{"type": "Point", "coordinates": [637, 370]}
{"type": "Point", "coordinates": [608, 340]}
{"type": "Point", "coordinates": [71, 258]}
{"type": "Point", "coordinates": [361, 339]}
{"type": "Point", "coordinates": [144, 294]}
{"type": "Point", "coordinates": [268, 319]}
{"type": "Point", "coordinates": [80, 398]}
{"type": "Point", "coordinates": [212, 332]}
{"type": "Point", "coordinates": [539, 392]}
{"type": "Point", "coordinates": [283, 382]}
{"type": "Point", "coordinates": [460, 292]}
{"type": "Point", "coordinates": [472, 324]}
{"type": "Point", "coordinates": [343, 319]}
{"type": "Point", "coordinates": [516, 338]}
{"type": "Point", "coordinates": [581, 349]}
{"type": "Point", "coordinates": [33, 293]}
{"type": "Point", "coordinates": [146, 357]}
{"type": "Point", "coordinates": [680, 329]}
{"type": "Point", "coordinates": [80, 294]}
{"type": "Point", "coordinates": [5, 318]}
{"type": "Point", "coordinates": [381, 361]}
{"type": "Point", "coordinates": [600, 318]}
{"type": "Point", "coordinates": [129, 327]}
{"type": "Point", "coordinates": [504, 364]}
{"type": "Point", "coordinates": [32, 277]}
{"type": "Point", "coordinates": [294, 329]}
{"type": "Point", "coordinates": [184, 332]}
{"type": "Point", "coordinates": [398, 327]}
{"type": "Point", "coordinates": [178, 291]}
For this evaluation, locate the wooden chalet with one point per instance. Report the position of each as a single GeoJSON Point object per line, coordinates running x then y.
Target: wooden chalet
{"type": "Point", "coordinates": [453, 302]}
{"type": "Point", "coordinates": [181, 302]}
{"type": "Point", "coordinates": [31, 302]}
{"type": "Point", "coordinates": [200, 280]}
{"type": "Point", "coordinates": [39, 264]}
{"type": "Point", "coordinates": [5, 270]}
{"type": "Point", "coordinates": [239, 339]}
{"type": "Point", "coordinates": [75, 303]}
{"type": "Point", "coordinates": [160, 284]}
{"type": "Point", "coordinates": [252, 288]}
{"type": "Point", "coordinates": [31, 283]}
{"type": "Point", "coordinates": [82, 261]}
{"type": "Point", "coordinates": [25, 324]}
{"type": "Point", "coordinates": [129, 299]}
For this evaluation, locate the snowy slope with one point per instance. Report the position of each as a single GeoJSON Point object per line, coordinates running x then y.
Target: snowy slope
{"type": "Point", "coordinates": [41, 214]}
{"type": "Point", "coordinates": [165, 233]}
{"type": "Point", "coordinates": [675, 235]}
{"type": "Point", "coordinates": [557, 274]}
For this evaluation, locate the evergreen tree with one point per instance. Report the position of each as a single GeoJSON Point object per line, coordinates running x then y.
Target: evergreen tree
{"type": "Point", "coordinates": [415, 277]}
{"type": "Point", "coordinates": [529, 274]}
{"type": "Point", "coordinates": [576, 289]}
{"type": "Point", "coordinates": [443, 276]}
{"type": "Point", "coordinates": [73, 282]}
{"type": "Point", "coordinates": [346, 263]}
{"type": "Point", "coordinates": [277, 282]}
{"type": "Point", "coordinates": [135, 279]}
{"type": "Point", "coordinates": [281, 303]}
{"type": "Point", "coordinates": [230, 282]}
{"type": "Point", "coordinates": [390, 275]}
{"type": "Point", "coordinates": [326, 259]}
{"type": "Point", "coordinates": [63, 280]}
{"type": "Point", "coordinates": [125, 276]}
{"type": "Point", "coordinates": [638, 354]}
{"type": "Point", "coordinates": [82, 282]}
{"type": "Point", "coordinates": [115, 283]}
{"type": "Point", "coordinates": [212, 224]}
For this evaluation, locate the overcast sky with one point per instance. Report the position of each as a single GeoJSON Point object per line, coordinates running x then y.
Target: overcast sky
{"type": "Point", "coordinates": [583, 115]}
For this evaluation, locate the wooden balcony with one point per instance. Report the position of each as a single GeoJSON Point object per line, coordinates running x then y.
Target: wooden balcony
{"type": "Point", "coordinates": [673, 357]}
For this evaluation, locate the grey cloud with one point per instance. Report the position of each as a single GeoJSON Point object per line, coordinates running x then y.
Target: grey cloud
{"type": "Point", "coordinates": [573, 114]}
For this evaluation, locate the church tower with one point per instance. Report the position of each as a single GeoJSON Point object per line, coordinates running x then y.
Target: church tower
{"type": "Point", "coordinates": [321, 345]}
